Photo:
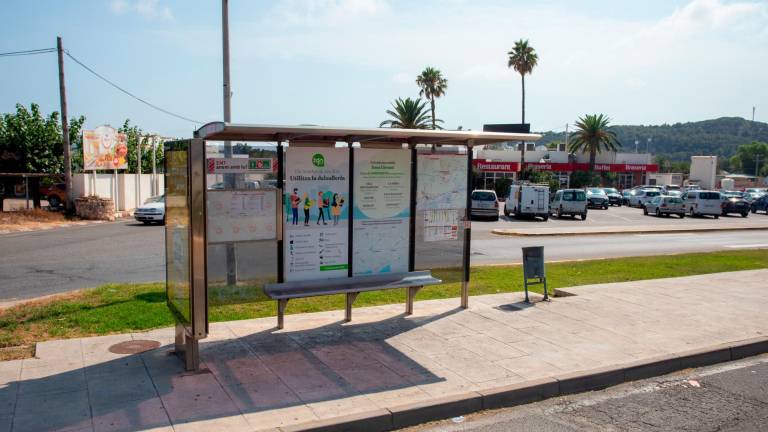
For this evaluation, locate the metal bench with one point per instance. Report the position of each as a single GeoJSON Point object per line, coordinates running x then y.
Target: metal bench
{"type": "Point", "coordinates": [413, 281]}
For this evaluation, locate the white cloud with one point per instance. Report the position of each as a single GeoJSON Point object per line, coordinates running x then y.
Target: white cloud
{"type": "Point", "coordinates": [328, 12]}
{"type": "Point", "coordinates": [147, 9]}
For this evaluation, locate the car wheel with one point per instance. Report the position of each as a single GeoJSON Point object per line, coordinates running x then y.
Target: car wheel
{"type": "Point", "coordinates": [754, 210]}
{"type": "Point", "coordinates": [146, 222]}
{"type": "Point", "coordinates": [717, 216]}
{"type": "Point", "coordinates": [54, 201]}
{"type": "Point", "coordinates": [658, 213]}
{"type": "Point", "coordinates": [559, 213]}
{"type": "Point", "coordinates": [645, 211]}
{"type": "Point", "coordinates": [692, 213]}
{"type": "Point", "coordinates": [682, 215]}
{"type": "Point", "coordinates": [546, 217]}
{"type": "Point", "coordinates": [584, 216]}
{"type": "Point", "coordinates": [745, 214]}
{"type": "Point", "coordinates": [506, 212]}
{"type": "Point", "coordinates": [605, 207]}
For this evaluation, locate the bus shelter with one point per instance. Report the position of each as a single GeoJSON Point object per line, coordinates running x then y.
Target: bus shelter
{"type": "Point", "coordinates": [302, 211]}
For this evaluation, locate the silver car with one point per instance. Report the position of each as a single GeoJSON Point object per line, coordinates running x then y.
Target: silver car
{"type": "Point", "coordinates": [664, 206]}
{"type": "Point", "coordinates": [485, 204]}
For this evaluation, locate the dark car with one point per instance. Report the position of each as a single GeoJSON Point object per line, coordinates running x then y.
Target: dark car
{"type": "Point", "coordinates": [760, 204]}
{"type": "Point", "coordinates": [55, 194]}
{"type": "Point", "coordinates": [734, 203]}
{"type": "Point", "coordinates": [614, 197]}
{"type": "Point", "coordinates": [596, 198]}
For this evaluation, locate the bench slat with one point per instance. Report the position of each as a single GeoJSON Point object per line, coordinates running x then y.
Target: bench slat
{"type": "Point", "coordinates": [298, 289]}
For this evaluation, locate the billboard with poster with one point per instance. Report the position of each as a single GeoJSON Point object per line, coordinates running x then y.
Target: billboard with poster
{"type": "Point", "coordinates": [104, 148]}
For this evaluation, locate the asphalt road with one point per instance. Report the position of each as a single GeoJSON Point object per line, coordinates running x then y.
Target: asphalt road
{"type": "Point", "coordinates": [47, 262]}
{"type": "Point", "coordinates": [726, 397]}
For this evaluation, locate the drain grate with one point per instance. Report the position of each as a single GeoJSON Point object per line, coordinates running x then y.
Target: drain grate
{"type": "Point", "coordinates": [134, 346]}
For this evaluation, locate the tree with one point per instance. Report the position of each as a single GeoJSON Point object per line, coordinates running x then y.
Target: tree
{"type": "Point", "coordinates": [751, 158]}
{"type": "Point", "coordinates": [30, 142]}
{"type": "Point", "coordinates": [523, 59]}
{"type": "Point", "coordinates": [432, 85]}
{"type": "Point", "coordinates": [409, 114]}
{"type": "Point", "coordinates": [592, 136]}
{"type": "Point", "coordinates": [136, 136]}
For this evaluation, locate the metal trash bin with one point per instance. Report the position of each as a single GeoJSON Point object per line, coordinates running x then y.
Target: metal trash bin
{"type": "Point", "coordinates": [533, 269]}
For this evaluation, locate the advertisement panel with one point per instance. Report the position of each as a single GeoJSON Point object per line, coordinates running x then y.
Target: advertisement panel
{"type": "Point", "coordinates": [381, 212]}
{"type": "Point", "coordinates": [315, 230]}
{"type": "Point", "coordinates": [239, 165]}
{"type": "Point", "coordinates": [104, 148]}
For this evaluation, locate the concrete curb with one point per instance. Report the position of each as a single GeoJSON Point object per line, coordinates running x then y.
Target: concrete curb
{"type": "Point", "coordinates": [520, 233]}
{"type": "Point", "coordinates": [536, 390]}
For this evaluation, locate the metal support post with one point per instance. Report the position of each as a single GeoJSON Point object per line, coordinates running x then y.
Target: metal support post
{"type": "Point", "coordinates": [280, 221]}
{"type": "Point", "coordinates": [229, 179]}
{"type": "Point", "coordinates": [281, 305]}
{"type": "Point", "coordinates": [348, 307]}
{"type": "Point", "coordinates": [411, 297]}
{"type": "Point", "coordinates": [467, 230]}
{"type": "Point", "coordinates": [412, 215]}
{"type": "Point", "coordinates": [350, 213]}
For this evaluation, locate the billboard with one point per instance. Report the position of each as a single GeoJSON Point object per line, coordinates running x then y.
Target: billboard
{"type": "Point", "coordinates": [104, 148]}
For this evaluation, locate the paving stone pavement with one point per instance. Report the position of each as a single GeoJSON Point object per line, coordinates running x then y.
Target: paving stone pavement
{"type": "Point", "coordinates": [318, 368]}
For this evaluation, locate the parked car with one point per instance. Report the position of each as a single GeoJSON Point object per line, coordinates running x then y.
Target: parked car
{"type": "Point", "coordinates": [702, 202]}
{"type": "Point", "coordinates": [569, 202]}
{"type": "Point", "coordinates": [596, 198]}
{"type": "Point", "coordinates": [55, 194]}
{"type": "Point", "coordinates": [484, 204]}
{"type": "Point", "coordinates": [733, 202]}
{"type": "Point", "coordinates": [664, 205]}
{"type": "Point", "coordinates": [153, 210]}
{"type": "Point", "coordinates": [641, 196]}
{"type": "Point", "coordinates": [614, 197]}
{"type": "Point", "coordinates": [672, 187]}
{"type": "Point", "coordinates": [527, 200]}
{"type": "Point", "coordinates": [674, 193]}
{"type": "Point", "coordinates": [760, 204]}
{"type": "Point", "coordinates": [625, 194]}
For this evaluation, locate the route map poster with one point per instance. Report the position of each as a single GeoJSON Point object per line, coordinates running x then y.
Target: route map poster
{"type": "Point", "coordinates": [382, 208]}
{"type": "Point", "coordinates": [315, 198]}
{"type": "Point", "coordinates": [235, 216]}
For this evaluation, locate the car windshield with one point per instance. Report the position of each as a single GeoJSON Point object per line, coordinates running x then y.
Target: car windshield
{"type": "Point", "coordinates": [574, 196]}
{"type": "Point", "coordinates": [154, 199]}
{"type": "Point", "coordinates": [652, 193]}
{"type": "Point", "coordinates": [673, 200]}
{"type": "Point", "coordinates": [610, 191]}
{"type": "Point", "coordinates": [674, 193]}
{"type": "Point", "coordinates": [595, 191]}
{"type": "Point", "coordinates": [483, 196]}
{"type": "Point", "coordinates": [709, 195]}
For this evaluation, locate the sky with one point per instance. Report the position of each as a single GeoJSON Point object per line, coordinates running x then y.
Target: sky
{"type": "Point", "coordinates": [343, 62]}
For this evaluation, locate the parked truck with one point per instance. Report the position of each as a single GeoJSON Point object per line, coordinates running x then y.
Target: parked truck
{"type": "Point", "coordinates": [530, 200]}
{"type": "Point", "coordinates": [704, 171]}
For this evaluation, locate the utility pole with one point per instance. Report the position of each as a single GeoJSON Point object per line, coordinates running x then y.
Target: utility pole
{"type": "Point", "coordinates": [753, 115]}
{"type": "Point", "coordinates": [65, 129]}
{"type": "Point", "coordinates": [229, 179]}
{"type": "Point", "coordinates": [568, 180]}
{"type": "Point", "coordinates": [153, 189]}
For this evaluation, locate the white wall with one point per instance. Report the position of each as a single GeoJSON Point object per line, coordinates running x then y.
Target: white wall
{"type": "Point", "coordinates": [562, 157]}
{"type": "Point", "coordinates": [127, 197]}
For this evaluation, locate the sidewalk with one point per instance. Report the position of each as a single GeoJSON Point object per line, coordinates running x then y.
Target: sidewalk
{"type": "Point", "coordinates": [382, 367]}
{"type": "Point", "coordinates": [630, 229]}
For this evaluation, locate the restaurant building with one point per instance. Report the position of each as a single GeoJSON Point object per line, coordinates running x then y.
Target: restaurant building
{"type": "Point", "coordinates": [631, 169]}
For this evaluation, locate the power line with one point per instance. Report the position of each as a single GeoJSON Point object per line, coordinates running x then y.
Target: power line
{"type": "Point", "coordinates": [129, 93]}
{"type": "Point", "coordinates": [27, 52]}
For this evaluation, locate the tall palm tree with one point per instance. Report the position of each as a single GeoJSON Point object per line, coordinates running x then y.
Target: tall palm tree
{"type": "Point", "coordinates": [409, 114]}
{"type": "Point", "coordinates": [522, 59]}
{"type": "Point", "coordinates": [433, 85]}
{"type": "Point", "coordinates": [592, 135]}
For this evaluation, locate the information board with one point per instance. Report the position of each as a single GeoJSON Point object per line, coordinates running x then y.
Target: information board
{"type": "Point", "coordinates": [381, 212]}
{"type": "Point", "coordinates": [237, 216]}
{"type": "Point", "coordinates": [104, 148]}
{"type": "Point", "coordinates": [316, 225]}
{"type": "Point", "coordinates": [441, 224]}
{"type": "Point", "coordinates": [442, 181]}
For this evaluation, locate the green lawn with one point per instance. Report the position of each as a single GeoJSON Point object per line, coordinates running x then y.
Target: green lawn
{"type": "Point", "coordinates": [126, 307]}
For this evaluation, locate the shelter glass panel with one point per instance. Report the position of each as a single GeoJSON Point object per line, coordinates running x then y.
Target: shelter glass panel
{"type": "Point", "coordinates": [441, 201]}
{"type": "Point", "coordinates": [177, 229]}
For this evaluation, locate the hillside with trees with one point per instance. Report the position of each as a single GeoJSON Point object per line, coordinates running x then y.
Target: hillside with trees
{"type": "Point", "coordinates": [680, 141]}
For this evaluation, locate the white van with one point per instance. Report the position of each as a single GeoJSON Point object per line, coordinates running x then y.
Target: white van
{"type": "Point", "coordinates": [702, 202]}
{"type": "Point", "coordinates": [569, 202]}
{"type": "Point", "coordinates": [528, 200]}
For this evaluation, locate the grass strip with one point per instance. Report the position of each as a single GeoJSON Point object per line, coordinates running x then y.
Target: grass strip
{"type": "Point", "coordinates": [116, 308]}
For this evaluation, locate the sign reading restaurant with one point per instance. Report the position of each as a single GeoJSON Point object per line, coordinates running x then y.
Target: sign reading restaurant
{"type": "Point", "coordinates": [498, 166]}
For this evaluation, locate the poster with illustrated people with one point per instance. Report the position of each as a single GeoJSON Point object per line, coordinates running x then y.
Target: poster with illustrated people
{"type": "Point", "coordinates": [382, 189]}
{"type": "Point", "coordinates": [315, 227]}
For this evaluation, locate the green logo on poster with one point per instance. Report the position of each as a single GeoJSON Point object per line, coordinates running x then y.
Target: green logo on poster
{"type": "Point", "coordinates": [318, 160]}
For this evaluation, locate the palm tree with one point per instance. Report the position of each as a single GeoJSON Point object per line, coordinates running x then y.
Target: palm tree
{"type": "Point", "coordinates": [409, 114]}
{"type": "Point", "coordinates": [523, 59]}
{"type": "Point", "coordinates": [432, 85]}
{"type": "Point", "coordinates": [592, 135]}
